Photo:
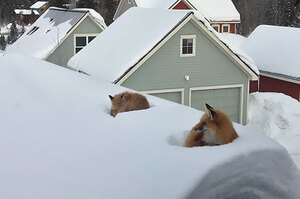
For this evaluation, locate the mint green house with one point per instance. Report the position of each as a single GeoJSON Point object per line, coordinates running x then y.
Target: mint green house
{"type": "Point", "coordinates": [59, 34]}
{"type": "Point", "coordinates": [172, 55]}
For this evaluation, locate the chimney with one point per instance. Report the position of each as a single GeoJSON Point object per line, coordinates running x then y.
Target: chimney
{"type": "Point", "coordinates": [73, 4]}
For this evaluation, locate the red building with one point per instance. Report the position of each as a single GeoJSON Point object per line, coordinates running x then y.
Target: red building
{"type": "Point", "coordinates": [222, 15]}
{"type": "Point", "coordinates": [270, 82]}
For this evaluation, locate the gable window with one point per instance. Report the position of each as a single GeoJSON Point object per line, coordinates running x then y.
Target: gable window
{"type": "Point", "coordinates": [225, 28]}
{"type": "Point", "coordinates": [216, 27]}
{"type": "Point", "coordinates": [187, 45]}
{"type": "Point", "coordinates": [80, 41]}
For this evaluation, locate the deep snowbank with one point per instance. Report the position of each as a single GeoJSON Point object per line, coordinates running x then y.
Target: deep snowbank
{"type": "Point", "coordinates": [57, 140]}
{"type": "Point", "coordinates": [277, 116]}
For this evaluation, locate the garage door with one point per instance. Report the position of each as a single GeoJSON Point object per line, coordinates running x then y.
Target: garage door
{"type": "Point", "coordinates": [174, 95]}
{"type": "Point", "coordinates": [226, 99]}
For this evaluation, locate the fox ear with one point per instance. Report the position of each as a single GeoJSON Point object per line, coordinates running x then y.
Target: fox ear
{"type": "Point", "coordinates": [111, 97]}
{"type": "Point", "coordinates": [124, 96]}
{"type": "Point", "coordinates": [210, 111]}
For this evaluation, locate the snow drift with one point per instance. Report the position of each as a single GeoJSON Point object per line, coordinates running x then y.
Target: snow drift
{"type": "Point", "coordinates": [57, 140]}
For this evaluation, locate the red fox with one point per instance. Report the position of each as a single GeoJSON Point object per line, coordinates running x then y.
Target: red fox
{"type": "Point", "coordinates": [126, 101]}
{"type": "Point", "coordinates": [214, 128]}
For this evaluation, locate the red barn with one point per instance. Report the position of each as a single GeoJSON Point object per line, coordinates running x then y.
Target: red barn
{"type": "Point", "coordinates": [222, 15]}
{"type": "Point", "coordinates": [275, 51]}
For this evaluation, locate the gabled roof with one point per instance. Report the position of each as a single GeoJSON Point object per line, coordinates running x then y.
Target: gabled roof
{"type": "Point", "coordinates": [112, 55]}
{"type": "Point", "coordinates": [38, 4]}
{"type": "Point", "coordinates": [26, 12]}
{"type": "Point", "coordinates": [275, 50]}
{"type": "Point", "coordinates": [48, 32]}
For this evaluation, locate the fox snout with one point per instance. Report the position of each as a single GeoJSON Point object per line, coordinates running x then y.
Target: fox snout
{"type": "Point", "coordinates": [200, 129]}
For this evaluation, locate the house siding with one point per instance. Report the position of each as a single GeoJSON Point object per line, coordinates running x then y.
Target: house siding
{"type": "Point", "coordinates": [181, 5]}
{"type": "Point", "coordinates": [167, 70]}
{"type": "Point", "coordinates": [65, 50]}
{"type": "Point", "coordinates": [268, 84]}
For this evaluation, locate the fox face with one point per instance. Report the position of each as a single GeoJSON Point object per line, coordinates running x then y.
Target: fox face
{"type": "Point", "coordinates": [117, 102]}
{"type": "Point", "coordinates": [214, 128]}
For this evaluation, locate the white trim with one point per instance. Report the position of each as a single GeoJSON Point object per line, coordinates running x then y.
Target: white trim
{"type": "Point", "coordinates": [241, 86]}
{"type": "Point", "coordinates": [216, 26]}
{"type": "Point", "coordinates": [71, 32]}
{"type": "Point", "coordinates": [86, 37]}
{"type": "Point", "coordinates": [193, 37]}
{"type": "Point", "coordinates": [176, 90]}
{"type": "Point", "coordinates": [280, 78]}
{"type": "Point", "coordinates": [226, 25]}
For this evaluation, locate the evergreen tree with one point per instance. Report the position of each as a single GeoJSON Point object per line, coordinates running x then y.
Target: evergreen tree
{"type": "Point", "coordinates": [2, 42]}
{"type": "Point", "coordinates": [13, 33]}
{"type": "Point", "coordinates": [57, 3]}
{"type": "Point", "coordinates": [86, 4]}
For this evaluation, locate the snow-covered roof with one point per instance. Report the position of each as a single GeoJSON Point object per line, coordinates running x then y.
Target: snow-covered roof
{"type": "Point", "coordinates": [47, 32]}
{"type": "Point", "coordinates": [213, 10]}
{"type": "Point", "coordinates": [275, 49]}
{"type": "Point", "coordinates": [217, 10]}
{"type": "Point", "coordinates": [59, 141]}
{"type": "Point", "coordinates": [141, 29]}
{"type": "Point", "coordinates": [38, 4]}
{"type": "Point", "coordinates": [26, 12]}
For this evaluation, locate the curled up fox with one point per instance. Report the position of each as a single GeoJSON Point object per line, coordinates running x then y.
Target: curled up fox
{"type": "Point", "coordinates": [214, 128]}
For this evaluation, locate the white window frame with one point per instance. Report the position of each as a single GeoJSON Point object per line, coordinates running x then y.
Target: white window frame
{"type": "Point", "coordinates": [216, 26]}
{"type": "Point", "coordinates": [129, 1]}
{"type": "Point", "coordinates": [176, 90]}
{"type": "Point", "coordinates": [194, 45]}
{"type": "Point", "coordinates": [86, 37]}
{"type": "Point", "coordinates": [226, 25]}
{"type": "Point", "coordinates": [241, 86]}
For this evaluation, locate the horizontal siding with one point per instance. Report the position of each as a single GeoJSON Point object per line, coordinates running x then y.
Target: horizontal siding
{"type": "Point", "coordinates": [167, 70]}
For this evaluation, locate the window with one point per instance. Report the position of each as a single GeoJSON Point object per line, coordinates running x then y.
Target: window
{"type": "Point", "coordinates": [216, 27]}
{"type": "Point", "coordinates": [187, 45]}
{"type": "Point", "coordinates": [81, 41]}
{"type": "Point", "coordinates": [225, 28]}
{"type": "Point", "coordinates": [129, 1]}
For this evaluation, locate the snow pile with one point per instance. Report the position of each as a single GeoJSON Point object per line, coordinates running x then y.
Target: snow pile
{"type": "Point", "coordinates": [166, 4]}
{"type": "Point", "coordinates": [57, 140]}
{"type": "Point", "coordinates": [6, 29]}
{"type": "Point", "coordinates": [94, 14]}
{"type": "Point", "coordinates": [38, 4]}
{"type": "Point", "coordinates": [277, 115]}
{"type": "Point", "coordinates": [26, 12]}
{"type": "Point", "coordinates": [275, 49]}
{"type": "Point", "coordinates": [217, 10]}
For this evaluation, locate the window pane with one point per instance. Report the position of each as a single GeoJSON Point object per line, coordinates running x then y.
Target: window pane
{"type": "Point", "coordinates": [90, 38]}
{"type": "Point", "coordinates": [184, 42]}
{"type": "Point", "coordinates": [190, 50]}
{"type": "Point", "coordinates": [225, 29]}
{"type": "Point", "coordinates": [216, 28]}
{"type": "Point", "coordinates": [190, 42]}
{"type": "Point", "coordinates": [80, 41]}
{"type": "Point", "coordinates": [184, 50]}
{"type": "Point", "coordinates": [77, 50]}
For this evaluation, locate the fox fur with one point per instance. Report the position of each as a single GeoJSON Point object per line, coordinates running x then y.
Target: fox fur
{"type": "Point", "coordinates": [127, 101]}
{"type": "Point", "coordinates": [214, 128]}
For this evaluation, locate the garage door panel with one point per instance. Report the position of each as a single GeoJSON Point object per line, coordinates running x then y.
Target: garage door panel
{"type": "Point", "coordinates": [172, 96]}
{"type": "Point", "coordinates": [227, 100]}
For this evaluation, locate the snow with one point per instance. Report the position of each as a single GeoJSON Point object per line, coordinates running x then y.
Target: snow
{"type": "Point", "coordinates": [6, 29]}
{"type": "Point", "coordinates": [38, 4]}
{"type": "Point", "coordinates": [57, 140]}
{"type": "Point", "coordinates": [277, 116]}
{"type": "Point", "coordinates": [94, 14]}
{"type": "Point", "coordinates": [52, 26]}
{"type": "Point", "coordinates": [234, 42]}
{"type": "Point", "coordinates": [142, 29]}
{"type": "Point", "coordinates": [26, 12]}
{"type": "Point", "coordinates": [214, 10]}
{"type": "Point", "coordinates": [217, 10]}
{"type": "Point", "coordinates": [275, 49]}
{"type": "Point", "coordinates": [135, 39]}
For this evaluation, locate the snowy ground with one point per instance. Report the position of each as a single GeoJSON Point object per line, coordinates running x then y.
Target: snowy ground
{"type": "Point", "coordinates": [57, 140]}
{"type": "Point", "coordinates": [278, 116]}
